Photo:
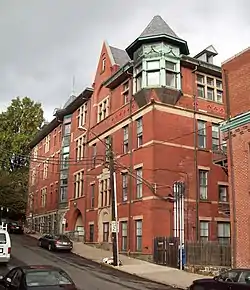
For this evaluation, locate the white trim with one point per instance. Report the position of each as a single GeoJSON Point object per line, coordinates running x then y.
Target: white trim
{"type": "Point", "coordinates": [138, 217]}
{"type": "Point", "coordinates": [205, 219]}
{"type": "Point", "coordinates": [200, 167]}
{"type": "Point", "coordinates": [137, 166]}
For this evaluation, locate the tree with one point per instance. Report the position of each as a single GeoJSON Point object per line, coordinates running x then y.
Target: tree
{"type": "Point", "coordinates": [18, 126]}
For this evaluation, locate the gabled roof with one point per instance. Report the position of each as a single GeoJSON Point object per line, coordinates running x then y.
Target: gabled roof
{"type": "Point", "coordinates": [59, 114]}
{"type": "Point", "coordinates": [120, 56]}
{"type": "Point", "coordinates": [158, 26]}
{"type": "Point", "coordinates": [210, 50]}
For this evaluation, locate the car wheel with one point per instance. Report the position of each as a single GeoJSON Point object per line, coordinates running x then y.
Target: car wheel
{"type": "Point", "coordinates": [40, 244]}
{"type": "Point", "coordinates": [50, 247]}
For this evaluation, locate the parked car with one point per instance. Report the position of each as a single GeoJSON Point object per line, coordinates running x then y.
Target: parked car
{"type": "Point", "coordinates": [37, 277]}
{"type": "Point", "coordinates": [55, 242]}
{"type": "Point", "coordinates": [5, 244]}
{"type": "Point", "coordinates": [15, 228]}
{"type": "Point", "coordinates": [234, 279]}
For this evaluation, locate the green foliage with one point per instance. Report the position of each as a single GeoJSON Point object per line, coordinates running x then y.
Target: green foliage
{"type": "Point", "coordinates": [18, 126]}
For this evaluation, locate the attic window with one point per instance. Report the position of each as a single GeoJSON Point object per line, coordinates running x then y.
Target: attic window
{"type": "Point", "coordinates": [103, 64]}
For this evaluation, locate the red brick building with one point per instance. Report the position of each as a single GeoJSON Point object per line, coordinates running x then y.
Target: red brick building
{"type": "Point", "coordinates": [163, 109]}
{"type": "Point", "coordinates": [237, 132]}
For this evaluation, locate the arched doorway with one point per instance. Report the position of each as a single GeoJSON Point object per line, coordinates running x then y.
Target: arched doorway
{"type": "Point", "coordinates": [79, 225]}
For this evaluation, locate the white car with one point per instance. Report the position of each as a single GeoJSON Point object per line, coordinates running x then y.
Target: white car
{"type": "Point", "coordinates": [5, 244]}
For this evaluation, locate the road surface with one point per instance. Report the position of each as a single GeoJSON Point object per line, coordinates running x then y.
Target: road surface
{"type": "Point", "coordinates": [87, 275]}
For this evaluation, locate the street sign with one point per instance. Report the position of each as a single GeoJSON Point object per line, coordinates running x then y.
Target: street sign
{"type": "Point", "coordinates": [114, 227]}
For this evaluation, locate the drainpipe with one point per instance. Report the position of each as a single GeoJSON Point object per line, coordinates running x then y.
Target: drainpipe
{"type": "Point", "coordinates": [196, 154]}
{"type": "Point", "coordinates": [232, 176]}
{"type": "Point", "coordinates": [88, 152]}
{"type": "Point", "coordinates": [130, 234]}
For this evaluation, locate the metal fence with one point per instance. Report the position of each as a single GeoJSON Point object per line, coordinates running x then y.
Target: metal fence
{"type": "Point", "coordinates": [208, 253]}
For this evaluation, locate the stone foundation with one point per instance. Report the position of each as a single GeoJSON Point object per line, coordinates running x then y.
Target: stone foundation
{"type": "Point", "coordinates": [205, 270]}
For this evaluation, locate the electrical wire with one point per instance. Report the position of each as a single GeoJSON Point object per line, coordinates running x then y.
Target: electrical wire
{"type": "Point", "coordinates": [44, 158]}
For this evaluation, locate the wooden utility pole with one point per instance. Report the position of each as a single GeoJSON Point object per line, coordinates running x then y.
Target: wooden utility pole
{"type": "Point", "coordinates": [113, 204]}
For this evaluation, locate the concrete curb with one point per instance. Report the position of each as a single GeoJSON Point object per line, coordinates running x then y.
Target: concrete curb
{"type": "Point", "coordinates": [118, 268]}
{"type": "Point", "coordinates": [113, 268]}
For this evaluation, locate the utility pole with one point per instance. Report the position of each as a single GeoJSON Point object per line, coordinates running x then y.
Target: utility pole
{"type": "Point", "coordinates": [113, 204]}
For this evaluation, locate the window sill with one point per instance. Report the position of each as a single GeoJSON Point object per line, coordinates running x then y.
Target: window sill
{"type": "Point", "coordinates": [205, 201]}
{"type": "Point", "coordinates": [203, 149]}
{"type": "Point", "coordinates": [210, 101]}
{"type": "Point", "coordinates": [141, 146]}
{"type": "Point", "coordinates": [124, 201]}
{"type": "Point", "coordinates": [137, 200]}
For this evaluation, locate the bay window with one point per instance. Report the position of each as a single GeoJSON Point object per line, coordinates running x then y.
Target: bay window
{"type": "Point", "coordinates": [153, 73]}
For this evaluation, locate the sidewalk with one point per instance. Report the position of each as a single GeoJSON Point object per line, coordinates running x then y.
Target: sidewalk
{"type": "Point", "coordinates": [160, 274]}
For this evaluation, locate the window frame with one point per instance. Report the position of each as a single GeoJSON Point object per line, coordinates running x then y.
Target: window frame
{"type": "Point", "coordinates": [125, 139]}
{"type": "Point", "coordinates": [226, 199]}
{"type": "Point", "coordinates": [124, 236]}
{"type": "Point", "coordinates": [124, 187]}
{"type": "Point", "coordinates": [203, 186]}
{"type": "Point", "coordinates": [139, 183]}
{"type": "Point", "coordinates": [215, 87]}
{"type": "Point", "coordinates": [92, 196]}
{"type": "Point", "coordinates": [224, 239]}
{"type": "Point", "coordinates": [138, 235]}
{"type": "Point", "coordinates": [202, 134]}
{"type": "Point", "coordinates": [204, 231]}
{"type": "Point", "coordinates": [172, 72]}
{"type": "Point", "coordinates": [215, 137]}
{"type": "Point", "coordinates": [139, 131]}
{"type": "Point", "coordinates": [105, 237]}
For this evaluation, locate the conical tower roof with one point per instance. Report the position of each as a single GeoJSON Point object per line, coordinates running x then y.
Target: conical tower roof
{"type": "Point", "coordinates": [158, 26]}
{"type": "Point", "coordinates": [158, 30]}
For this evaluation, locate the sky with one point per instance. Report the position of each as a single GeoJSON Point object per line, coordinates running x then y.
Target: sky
{"type": "Point", "coordinates": [45, 44]}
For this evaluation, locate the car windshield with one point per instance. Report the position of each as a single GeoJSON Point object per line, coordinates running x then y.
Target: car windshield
{"type": "Point", "coordinates": [47, 278]}
{"type": "Point", "coordinates": [2, 239]}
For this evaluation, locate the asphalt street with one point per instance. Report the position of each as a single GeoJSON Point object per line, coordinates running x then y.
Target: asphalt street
{"type": "Point", "coordinates": [85, 273]}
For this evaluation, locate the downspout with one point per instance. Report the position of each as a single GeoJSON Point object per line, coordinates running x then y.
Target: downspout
{"type": "Point", "coordinates": [196, 155]}
{"type": "Point", "coordinates": [130, 234]}
{"type": "Point", "coordinates": [86, 187]}
{"type": "Point", "coordinates": [232, 177]}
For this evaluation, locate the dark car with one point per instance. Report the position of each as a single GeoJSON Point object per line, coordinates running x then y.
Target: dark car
{"type": "Point", "coordinates": [37, 277]}
{"type": "Point", "coordinates": [15, 228]}
{"type": "Point", "coordinates": [234, 279]}
{"type": "Point", "coordinates": [55, 242]}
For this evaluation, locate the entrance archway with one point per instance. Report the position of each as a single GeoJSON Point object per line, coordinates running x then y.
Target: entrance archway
{"type": "Point", "coordinates": [79, 224]}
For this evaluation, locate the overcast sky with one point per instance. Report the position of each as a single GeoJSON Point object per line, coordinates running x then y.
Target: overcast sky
{"type": "Point", "coordinates": [45, 43]}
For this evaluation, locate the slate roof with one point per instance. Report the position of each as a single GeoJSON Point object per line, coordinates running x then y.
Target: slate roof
{"type": "Point", "coordinates": [158, 26]}
{"type": "Point", "coordinates": [120, 56]}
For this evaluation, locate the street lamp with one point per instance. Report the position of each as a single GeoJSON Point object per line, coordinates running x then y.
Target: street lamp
{"type": "Point", "coordinates": [114, 215]}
